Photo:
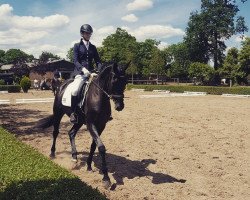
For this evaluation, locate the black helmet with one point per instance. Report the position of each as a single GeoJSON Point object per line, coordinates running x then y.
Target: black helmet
{"type": "Point", "coordinates": [86, 28]}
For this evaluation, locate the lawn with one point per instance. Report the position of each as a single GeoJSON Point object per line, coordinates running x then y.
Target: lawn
{"type": "Point", "coordinates": [26, 174]}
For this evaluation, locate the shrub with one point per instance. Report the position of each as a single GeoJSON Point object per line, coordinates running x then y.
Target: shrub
{"type": "Point", "coordinates": [10, 88]}
{"type": "Point", "coordinates": [208, 89]}
{"type": "Point", "coordinates": [2, 82]}
{"type": "Point", "coordinates": [25, 84]}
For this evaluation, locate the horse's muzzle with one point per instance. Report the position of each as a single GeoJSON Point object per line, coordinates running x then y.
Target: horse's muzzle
{"type": "Point", "coordinates": [119, 106]}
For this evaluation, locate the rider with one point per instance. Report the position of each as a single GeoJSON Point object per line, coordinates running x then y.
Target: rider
{"type": "Point", "coordinates": [84, 54]}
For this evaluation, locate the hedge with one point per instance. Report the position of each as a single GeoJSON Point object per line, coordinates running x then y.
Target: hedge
{"type": "Point", "coordinates": [208, 89]}
{"type": "Point", "coordinates": [10, 88]}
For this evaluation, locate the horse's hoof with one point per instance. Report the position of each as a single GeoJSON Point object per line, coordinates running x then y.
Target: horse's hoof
{"type": "Point", "coordinates": [52, 155]}
{"type": "Point", "coordinates": [74, 160]}
{"type": "Point", "coordinates": [106, 184]}
{"type": "Point", "coordinates": [89, 169]}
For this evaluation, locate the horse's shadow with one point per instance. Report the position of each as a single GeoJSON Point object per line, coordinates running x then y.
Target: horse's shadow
{"type": "Point", "coordinates": [122, 167]}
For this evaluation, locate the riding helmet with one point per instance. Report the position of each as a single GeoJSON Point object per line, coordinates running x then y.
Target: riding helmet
{"type": "Point", "coordinates": [86, 28]}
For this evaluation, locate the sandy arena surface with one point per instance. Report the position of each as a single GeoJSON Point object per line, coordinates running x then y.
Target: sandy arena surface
{"type": "Point", "coordinates": [158, 148]}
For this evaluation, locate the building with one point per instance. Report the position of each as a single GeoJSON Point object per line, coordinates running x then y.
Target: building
{"type": "Point", "coordinates": [40, 71]}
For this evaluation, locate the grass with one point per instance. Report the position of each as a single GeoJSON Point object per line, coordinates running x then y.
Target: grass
{"type": "Point", "coordinates": [27, 174]}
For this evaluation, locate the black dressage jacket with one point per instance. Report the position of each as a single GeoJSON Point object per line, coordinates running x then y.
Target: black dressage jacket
{"type": "Point", "coordinates": [84, 57]}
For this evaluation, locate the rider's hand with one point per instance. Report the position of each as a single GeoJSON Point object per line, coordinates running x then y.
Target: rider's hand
{"type": "Point", "coordinates": [93, 74]}
{"type": "Point", "coordinates": [85, 72]}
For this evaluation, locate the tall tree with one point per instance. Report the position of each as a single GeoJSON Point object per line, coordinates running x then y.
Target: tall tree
{"type": "Point", "coordinates": [244, 56]}
{"type": "Point", "coordinates": [176, 56]}
{"type": "Point", "coordinates": [156, 64]}
{"type": "Point", "coordinates": [231, 68]}
{"type": "Point", "coordinates": [2, 53]}
{"type": "Point", "coordinates": [46, 56]}
{"type": "Point", "coordinates": [209, 29]}
{"type": "Point", "coordinates": [70, 54]}
{"type": "Point", "coordinates": [117, 46]}
{"type": "Point", "coordinates": [15, 56]}
{"type": "Point", "coordinates": [143, 55]}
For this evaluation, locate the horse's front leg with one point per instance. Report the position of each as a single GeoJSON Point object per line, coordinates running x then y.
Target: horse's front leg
{"type": "Point", "coordinates": [90, 157]}
{"type": "Point", "coordinates": [102, 151]}
{"type": "Point", "coordinates": [72, 135]}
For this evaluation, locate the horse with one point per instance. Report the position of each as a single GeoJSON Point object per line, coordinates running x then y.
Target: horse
{"type": "Point", "coordinates": [95, 112]}
{"type": "Point", "coordinates": [55, 83]}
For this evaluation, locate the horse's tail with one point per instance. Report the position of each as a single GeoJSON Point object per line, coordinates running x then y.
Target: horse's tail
{"type": "Point", "coordinates": [45, 122]}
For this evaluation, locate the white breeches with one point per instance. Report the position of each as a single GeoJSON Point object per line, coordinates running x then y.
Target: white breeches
{"type": "Point", "coordinates": [79, 79]}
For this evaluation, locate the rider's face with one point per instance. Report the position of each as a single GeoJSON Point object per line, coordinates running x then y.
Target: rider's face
{"type": "Point", "coordinates": [86, 36]}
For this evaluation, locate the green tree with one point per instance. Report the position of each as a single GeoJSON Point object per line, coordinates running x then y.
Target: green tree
{"type": "Point", "coordinates": [116, 47]}
{"type": "Point", "coordinates": [207, 31]}
{"type": "Point", "coordinates": [156, 64]}
{"type": "Point", "coordinates": [70, 54]}
{"type": "Point", "coordinates": [231, 68]}
{"type": "Point", "coordinates": [177, 56]}
{"type": "Point", "coordinates": [244, 57]}
{"type": "Point", "coordinates": [15, 56]}
{"type": "Point", "coordinates": [143, 54]}
{"type": "Point", "coordinates": [2, 53]}
{"type": "Point", "coordinates": [201, 72]}
{"type": "Point", "coordinates": [46, 56]}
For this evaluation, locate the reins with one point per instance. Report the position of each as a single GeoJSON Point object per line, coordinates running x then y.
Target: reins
{"type": "Point", "coordinates": [112, 96]}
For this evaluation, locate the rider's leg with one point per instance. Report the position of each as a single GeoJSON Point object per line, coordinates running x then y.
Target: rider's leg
{"type": "Point", "coordinates": [74, 99]}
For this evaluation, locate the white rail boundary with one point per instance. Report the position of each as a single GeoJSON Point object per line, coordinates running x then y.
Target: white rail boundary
{"type": "Point", "coordinates": [137, 90]}
{"type": "Point", "coordinates": [40, 100]}
{"type": "Point", "coordinates": [162, 91]}
{"type": "Point", "coordinates": [4, 101]}
{"type": "Point", "coordinates": [168, 94]}
{"type": "Point", "coordinates": [236, 95]}
{"type": "Point", "coordinates": [3, 92]}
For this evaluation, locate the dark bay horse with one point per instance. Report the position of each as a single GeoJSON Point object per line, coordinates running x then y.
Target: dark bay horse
{"type": "Point", "coordinates": [95, 113]}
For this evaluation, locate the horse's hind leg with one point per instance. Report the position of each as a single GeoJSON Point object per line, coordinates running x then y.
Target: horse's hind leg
{"type": "Point", "coordinates": [57, 120]}
{"type": "Point", "coordinates": [72, 134]}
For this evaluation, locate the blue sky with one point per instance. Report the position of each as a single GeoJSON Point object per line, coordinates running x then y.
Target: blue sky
{"type": "Point", "coordinates": [53, 25]}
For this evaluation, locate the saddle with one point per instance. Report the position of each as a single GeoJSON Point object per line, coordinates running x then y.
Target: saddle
{"type": "Point", "coordinates": [66, 90]}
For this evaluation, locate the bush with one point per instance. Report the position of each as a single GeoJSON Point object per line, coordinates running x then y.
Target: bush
{"type": "Point", "coordinates": [2, 82]}
{"type": "Point", "coordinates": [10, 88]}
{"type": "Point", "coordinates": [207, 89]}
{"type": "Point", "coordinates": [25, 84]}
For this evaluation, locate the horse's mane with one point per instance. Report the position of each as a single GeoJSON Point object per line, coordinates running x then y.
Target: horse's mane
{"type": "Point", "coordinates": [106, 68]}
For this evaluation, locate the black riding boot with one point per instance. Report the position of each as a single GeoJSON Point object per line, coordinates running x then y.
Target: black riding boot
{"type": "Point", "coordinates": [73, 116]}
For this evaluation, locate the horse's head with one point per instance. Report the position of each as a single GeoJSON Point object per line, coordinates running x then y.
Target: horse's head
{"type": "Point", "coordinates": [118, 84]}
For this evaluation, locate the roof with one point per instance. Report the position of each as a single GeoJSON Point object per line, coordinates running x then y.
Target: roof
{"type": "Point", "coordinates": [7, 66]}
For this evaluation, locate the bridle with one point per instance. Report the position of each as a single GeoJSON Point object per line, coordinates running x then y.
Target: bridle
{"type": "Point", "coordinates": [110, 96]}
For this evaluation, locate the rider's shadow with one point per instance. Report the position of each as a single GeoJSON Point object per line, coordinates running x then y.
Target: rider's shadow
{"type": "Point", "coordinates": [121, 168]}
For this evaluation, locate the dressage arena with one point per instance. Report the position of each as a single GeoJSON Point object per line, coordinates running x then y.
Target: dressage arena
{"type": "Point", "coordinates": [182, 147]}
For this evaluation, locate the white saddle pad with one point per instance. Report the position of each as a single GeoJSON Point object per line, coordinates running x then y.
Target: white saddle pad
{"type": "Point", "coordinates": [66, 99]}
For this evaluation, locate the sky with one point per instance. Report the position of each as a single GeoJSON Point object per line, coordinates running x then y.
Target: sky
{"type": "Point", "coordinates": [54, 25]}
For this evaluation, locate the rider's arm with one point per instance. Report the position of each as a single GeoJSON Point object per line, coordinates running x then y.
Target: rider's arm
{"type": "Point", "coordinates": [76, 57]}
{"type": "Point", "coordinates": [97, 59]}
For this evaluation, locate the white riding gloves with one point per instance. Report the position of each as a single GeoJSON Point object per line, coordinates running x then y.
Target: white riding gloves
{"type": "Point", "coordinates": [93, 75]}
{"type": "Point", "coordinates": [86, 72]}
